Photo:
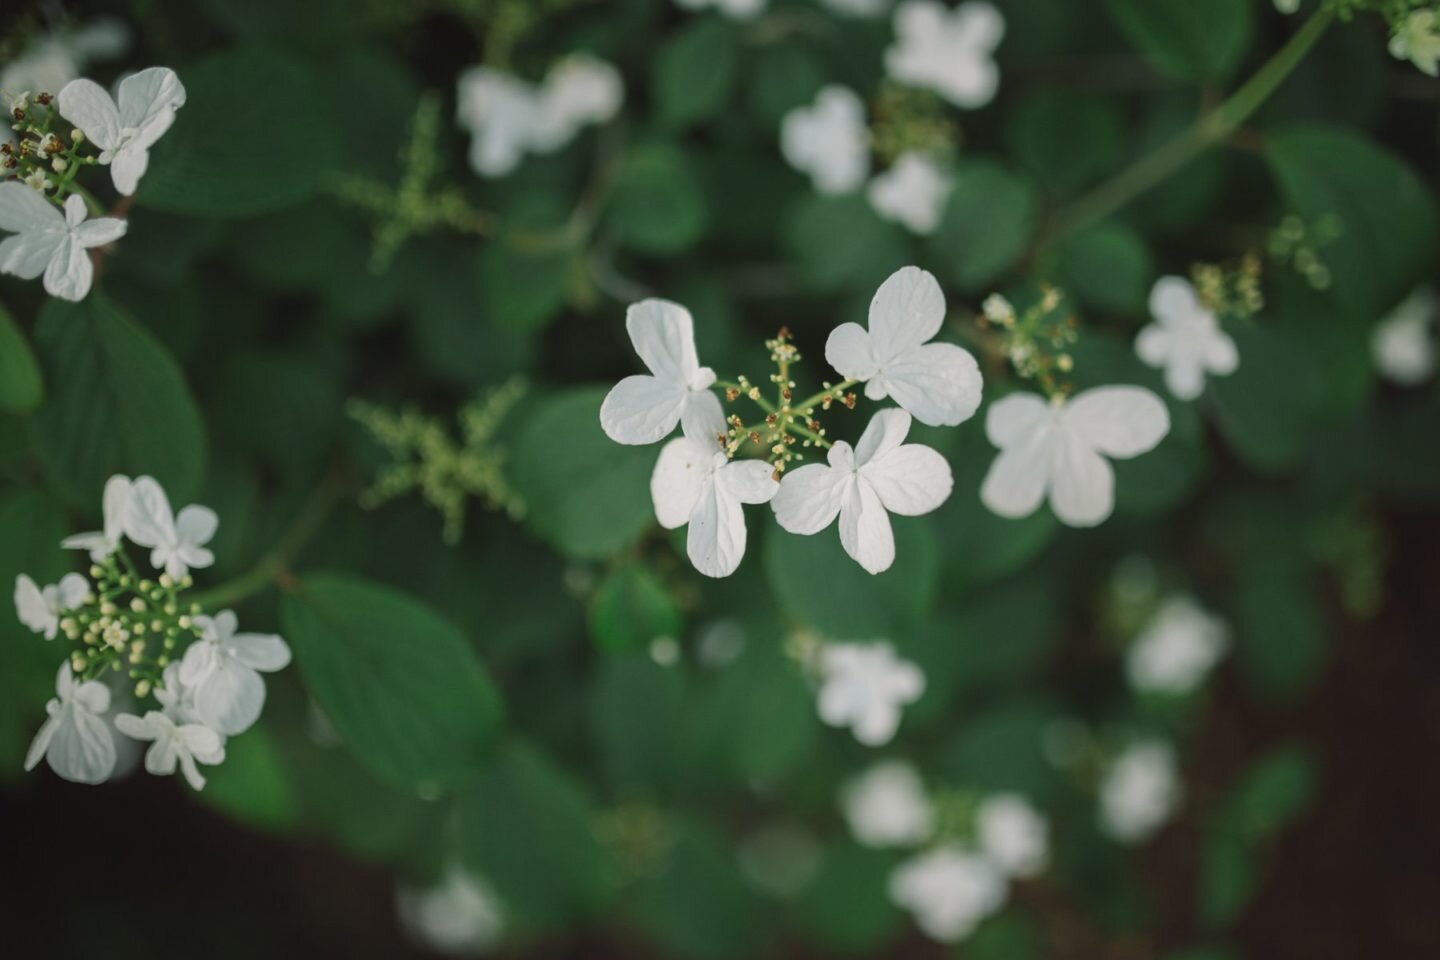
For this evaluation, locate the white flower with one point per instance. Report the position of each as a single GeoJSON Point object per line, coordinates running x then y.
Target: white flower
{"type": "Point", "coordinates": [57, 58]}
{"type": "Point", "coordinates": [939, 383]}
{"type": "Point", "coordinates": [1287, 6]}
{"type": "Point", "coordinates": [1139, 791]}
{"type": "Point", "coordinates": [1177, 648]}
{"type": "Point", "coordinates": [949, 52]}
{"type": "Point", "coordinates": [949, 890]}
{"type": "Point", "coordinates": [735, 9]}
{"type": "Point", "coordinates": [887, 806]}
{"type": "Point", "coordinates": [40, 609]}
{"type": "Point", "coordinates": [179, 739]}
{"type": "Point", "coordinates": [1013, 834]}
{"type": "Point", "coordinates": [863, 486]}
{"type": "Point", "coordinates": [125, 133]}
{"type": "Point", "coordinates": [695, 482]}
{"type": "Point", "coordinates": [221, 670]}
{"type": "Point", "coordinates": [460, 915]}
{"type": "Point", "coordinates": [644, 409]}
{"type": "Point", "coordinates": [864, 686]}
{"type": "Point", "coordinates": [1418, 40]}
{"type": "Point", "coordinates": [857, 8]}
{"type": "Point", "coordinates": [75, 740]}
{"type": "Point", "coordinates": [177, 543]}
{"type": "Point", "coordinates": [50, 242]}
{"type": "Point", "coordinates": [828, 141]}
{"type": "Point", "coordinates": [116, 505]}
{"type": "Point", "coordinates": [1185, 339]}
{"type": "Point", "coordinates": [1403, 345]}
{"type": "Point", "coordinates": [578, 90]}
{"type": "Point", "coordinates": [912, 192]}
{"type": "Point", "coordinates": [1060, 449]}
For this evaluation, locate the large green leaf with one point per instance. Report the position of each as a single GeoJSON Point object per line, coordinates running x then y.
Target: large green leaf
{"type": "Point", "coordinates": [1202, 42]}
{"type": "Point", "coordinates": [987, 223]}
{"type": "Point", "coordinates": [658, 206]}
{"type": "Point", "coordinates": [21, 387]}
{"type": "Point", "coordinates": [695, 71]}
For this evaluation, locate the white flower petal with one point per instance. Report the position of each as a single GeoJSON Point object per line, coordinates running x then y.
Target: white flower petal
{"type": "Point", "coordinates": [911, 480]}
{"type": "Point", "coordinates": [148, 100]}
{"type": "Point", "coordinates": [865, 528]}
{"type": "Point", "coordinates": [749, 481]}
{"type": "Point", "coordinates": [73, 591]}
{"type": "Point", "coordinates": [848, 350]}
{"type": "Point", "coordinates": [1173, 297]}
{"type": "Point", "coordinates": [23, 210]}
{"type": "Point", "coordinates": [196, 526]}
{"type": "Point", "coordinates": [809, 498]}
{"type": "Point", "coordinates": [259, 651]}
{"type": "Point", "coordinates": [86, 104]}
{"type": "Point", "coordinates": [1082, 485]}
{"type": "Point", "coordinates": [1016, 418]}
{"type": "Point", "coordinates": [1119, 422]}
{"type": "Point", "coordinates": [1018, 478]}
{"type": "Point", "coordinates": [70, 271]}
{"type": "Point", "coordinates": [1220, 356]}
{"type": "Point", "coordinates": [680, 475]}
{"type": "Point", "coordinates": [31, 608]}
{"type": "Point", "coordinates": [907, 310]}
{"type": "Point", "coordinates": [1153, 345]}
{"type": "Point", "coordinates": [716, 539]}
{"type": "Point", "coordinates": [939, 383]}
{"type": "Point", "coordinates": [27, 255]}
{"type": "Point", "coordinates": [663, 334]}
{"type": "Point", "coordinates": [149, 521]}
{"type": "Point", "coordinates": [230, 699]}
{"type": "Point", "coordinates": [885, 432]}
{"type": "Point", "coordinates": [82, 749]}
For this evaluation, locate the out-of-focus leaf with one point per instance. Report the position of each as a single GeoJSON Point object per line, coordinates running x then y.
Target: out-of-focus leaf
{"type": "Point", "coordinates": [658, 206]}
{"type": "Point", "coordinates": [1201, 42]}
{"type": "Point", "coordinates": [695, 71]}
{"type": "Point", "coordinates": [987, 224]}
{"type": "Point", "coordinates": [840, 243]}
{"type": "Point", "coordinates": [631, 609]}
{"type": "Point", "coordinates": [1066, 140]}
{"type": "Point", "coordinates": [21, 387]}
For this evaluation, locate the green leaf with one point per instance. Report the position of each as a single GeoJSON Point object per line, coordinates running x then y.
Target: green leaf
{"type": "Point", "coordinates": [21, 388]}
{"type": "Point", "coordinates": [401, 685]}
{"type": "Point", "coordinates": [695, 71]}
{"type": "Point", "coordinates": [658, 206]}
{"type": "Point", "coordinates": [631, 609]}
{"type": "Point", "coordinates": [117, 404]}
{"type": "Point", "coordinates": [759, 719]}
{"type": "Point", "coordinates": [252, 137]}
{"type": "Point", "coordinates": [784, 77]}
{"type": "Point", "coordinates": [700, 906]}
{"type": "Point", "coordinates": [252, 784]}
{"type": "Point", "coordinates": [637, 714]}
{"type": "Point", "coordinates": [520, 290]}
{"type": "Point", "coordinates": [1199, 42]}
{"type": "Point", "coordinates": [986, 225]}
{"type": "Point", "coordinates": [847, 907]}
{"type": "Point", "coordinates": [585, 494]}
{"type": "Point", "coordinates": [839, 243]}
{"type": "Point", "coordinates": [1108, 268]}
{"type": "Point", "coordinates": [1228, 878]}
{"type": "Point", "coordinates": [1066, 140]}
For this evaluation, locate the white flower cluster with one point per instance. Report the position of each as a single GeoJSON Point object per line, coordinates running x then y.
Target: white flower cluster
{"type": "Point", "coordinates": [508, 117]}
{"type": "Point", "coordinates": [1185, 340]}
{"type": "Point", "coordinates": [865, 686]}
{"type": "Point", "coordinates": [203, 675]}
{"type": "Point", "coordinates": [965, 874]}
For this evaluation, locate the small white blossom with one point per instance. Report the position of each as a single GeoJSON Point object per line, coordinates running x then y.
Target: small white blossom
{"type": "Point", "coordinates": [735, 9]}
{"type": "Point", "coordinates": [1139, 792]}
{"type": "Point", "coordinates": [938, 383]}
{"type": "Point", "coordinates": [912, 192]}
{"type": "Point", "coordinates": [1185, 339]}
{"type": "Point", "coordinates": [50, 242]}
{"type": "Point", "coordinates": [578, 90]}
{"type": "Point", "coordinates": [1403, 345]}
{"type": "Point", "coordinates": [222, 671]}
{"type": "Point", "coordinates": [1060, 448]}
{"type": "Point", "coordinates": [460, 915]}
{"type": "Point", "coordinates": [40, 608]}
{"type": "Point", "coordinates": [116, 504]}
{"type": "Point", "coordinates": [858, 8]}
{"type": "Point", "coordinates": [1177, 648]}
{"type": "Point", "coordinates": [1013, 834]}
{"type": "Point", "coordinates": [75, 740]}
{"type": "Point", "coordinates": [1418, 40]}
{"type": "Point", "coordinates": [58, 57]}
{"type": "Point", "coordinates": [949, 890]}
{"type": "Point", "coordinates": [828, 141]}
{"type": "Point", "coordinates": [887, 806]}
{"type": "Point", "coordinates": [862, 486]}
{"type": "Point", "coordinates": [126, 131]}
{"type": "Point", "coordinates": [180, 740]}
{"type": "Point", "coordinates": [865, 686]}
{"type": "Point", "coordinates": [645, 408]}
{"type": "Point", "coordinates": [1287, 6]}
{"type": "Point", "coordinates": [948, 51]}
{"type": "Point", "coordinates": [176, 543]}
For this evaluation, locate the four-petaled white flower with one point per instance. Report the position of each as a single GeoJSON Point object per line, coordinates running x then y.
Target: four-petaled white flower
{"type": "Point", "coordinates": [1013, 834]}
{"type": "Point", "coordinates": [865, 686]}
{"type": "Point", "coordinates": [125, 132]}
{"type": "Point", "coordinates": [459, 915]}
{"type": "Point", "coordinates": [221, 670]}
{"type": "Point", "coordinates": [1185, 339]}
{"type": "Point", "coordinates": [949, 889]}
{"type": "Point", "coordinates": [178, 739]}
{"type": "Point", "coordinates": [696, 482]}
{"type": "Point", "coordinates": [76, 740]}
{"type": "Point", "coordinates": [40, 609]}
{"type": "Point", "coordinates": [1287, 6]}
{"type": "Point", "coordinates": [828, 141]}
{"type": "Point", "coordinates": [645, 408]}
{"type": "Point", "coordinates": [912, 192]}
{"type": "Point", "coordinates": [938, 383]}
{"type": "Point", "coordinates": [1177, 648]}
{"type": "Point", "coordinates": [949, 52]}
{"type": "Point", "coordinates": [1418, 40]}
{"type": "Point", "coordinates": [1139, 791]}
{"type": "Point", "coordinates": [56, 58]}
{"type": "Point", "coordinates": [50, 242]}
{"type": "Point", "coordinates": [887, 806]}
{"type": "Point", "coordinates": [1403, 345]}
{"type": "Point", "coordinates": [116, 506]}
{"type": "Point", "coordinates": [176, 543]}
{"type": "Point", "coordinates": [862, 486]}
{"type": "Point", "coordinates": [735, 9]}
{"type": "Point", "coordinates": [578, 90]}
{"type": "Point", "coordinates": [1060, 448]}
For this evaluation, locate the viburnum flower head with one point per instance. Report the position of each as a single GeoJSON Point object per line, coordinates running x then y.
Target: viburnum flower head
{"type": "Point", "coordinates": [76, 740]}
{"type": "Point", "coordinates": [126, 131]}
{"type": "Point", "coordinates": [115, 505]}
{"type": "Point", "coordinates": [176, 543]}
{"type": "Point", "coordinates": [222, 672]}
{"type": "Point", "coordinates": [862, 486]}
{"type": "Point", "coordinates": [645, 408]}
{"type": "Point", "coordinates": [949, 889]}
{"type": "Point", "coordinates": [39, 608]}
{"type": "Point", "coordinates": [912, 192]}
{"type": "Point", "coordinates": [938, 383]}
{"type": "Point", "coordinates": [1058, 448]}
{"type": "Point", "coordinates": [1185, 340]}
{"type": "Point", "coordinates": [948, 51]}
{"type": "Point", "coordinates": [50, 242]}
{"type": "Point", "coordinates": [887, 806]}
{"type": "Point", "coordinates": [178, 740]}
{"type": "Point", "coordinates": [829, 141]}
{"type": "Point", "coordinates": [865, 686]}
{"type": "Point", "coordinates": [1013, 834]}
{"type": "Point", "coordinates": [1177, 648]}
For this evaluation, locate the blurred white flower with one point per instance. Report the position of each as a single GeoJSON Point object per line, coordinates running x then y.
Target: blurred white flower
{"type": "Point", "coordinates": [645, 408]}
{"type": "Point", "coordinates": [1403, 345]}
{"type": "Point", "coordinates": [1013, 834]}
{"type": "Point", "coordinates": [176, 543]}
{"type": "Point", "coordinates": [1287, 6]}
{"type": "Point", "coordinates": [115, 504]}
{"type": "Point", "coordinates": [862, 486]}
{"type": "Point", "coordinates": [222, 670]}
{"type": "Point", "coordinates": [578, 90]}
{"type": "Point", "coordinates": [948, 51]}
{"type": "Point", "coordinates": [912, 192]}
{"type": "Point", "coordinates": [57, 57]}
{"type": "Point", "coordinates": [40, 608]}
{"type": "Point", "coordinates": [865, 687]}
{"type": "Point", "coordinates": [828, 141]}
{"type": "Point", "coordinates": [461, 915]}
{"type": "Point", "coordinates": [75, 740]}
{"type": "Point", "coordinates": [949, 890]}
{"type": "Point", "coordinates": [50, 242]}
{"type": "Point", "coordinates": [1060, 448]}
{"type": "Point", "coordinates": [735, 9]}
{"type": "Point", "coordinates": [857, 8]}
{"type": "Point", "coordinates": [1418, 40]}
{"type": "Point", "coordinates": [938, 383]}
{"type": "Point", "coordinates": [1185, 339]}
{"type": "Point", "coordinates": [1139, 791]}
{"type": "Point", "coordinates": [887, 806]}
{"type": "Point", "coordinates": [125, 132]}
{"type": "Point", "coordinates": [179, 741]}
{"type": "Point", "coordinates": [1177, 648]}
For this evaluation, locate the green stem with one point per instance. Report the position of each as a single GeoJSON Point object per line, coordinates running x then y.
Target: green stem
{"type": "Point", "coordinates": [1209, 129]}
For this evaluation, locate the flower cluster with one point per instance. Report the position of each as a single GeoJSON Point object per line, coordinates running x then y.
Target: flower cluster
{"type": "Point", "coordinates": [135, 635]}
